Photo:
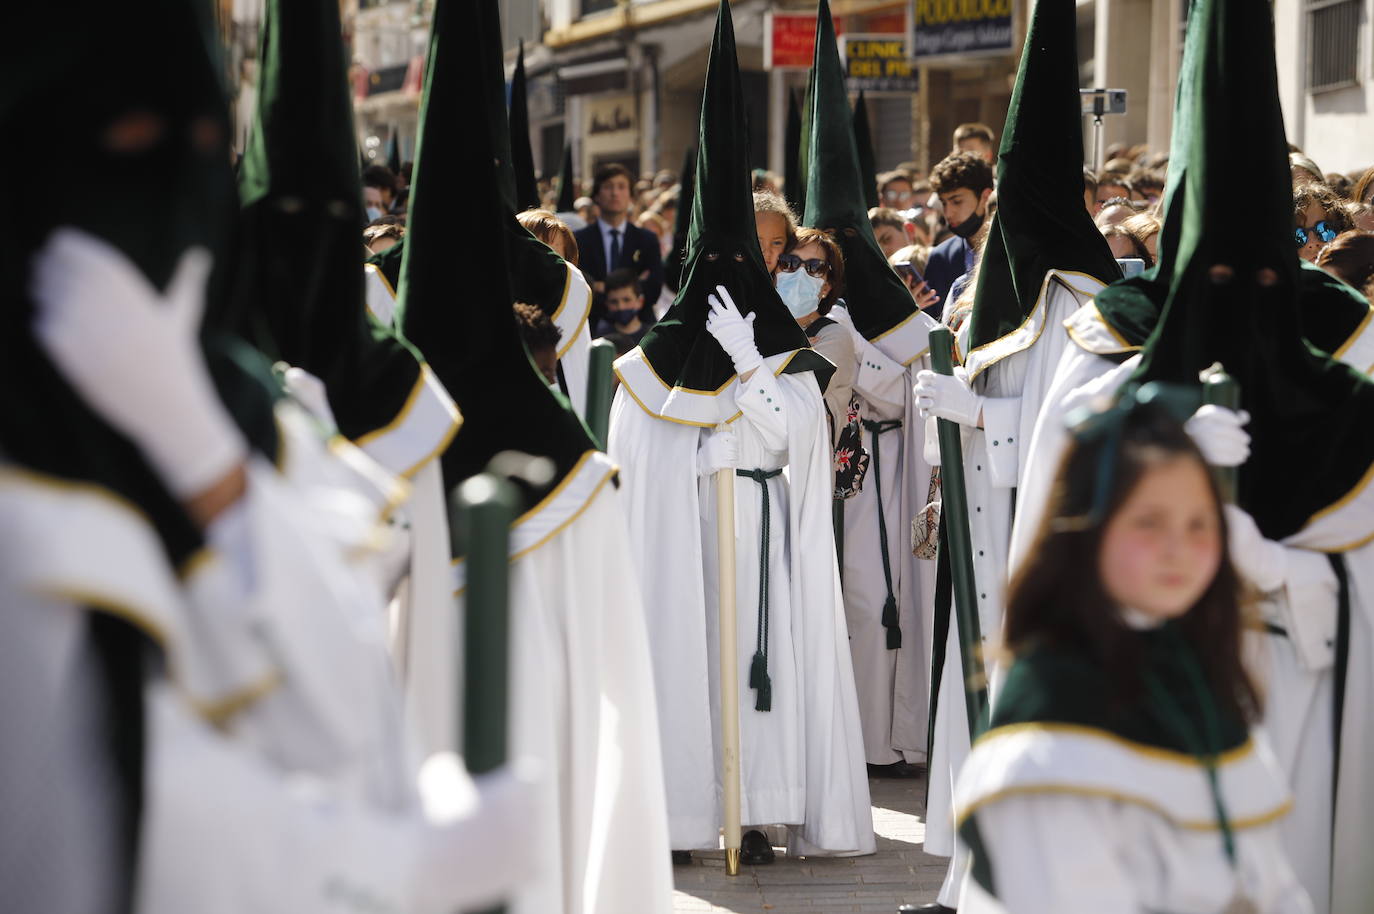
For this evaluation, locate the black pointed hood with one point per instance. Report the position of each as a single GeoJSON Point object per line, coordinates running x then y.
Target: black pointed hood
{"type": "Point", "coordinates": [299, 280]}
{"type": "Point", "coordinates": [879, 303]}
{"type": "Point", "coordinates": [679, 369]}
{"type": "Point", "coordinates": [462, 320]}
{"type": "Point", "coordinates": [793, 178]}
{"type": "Point", "coordinates": [393, 150]}
{"type": "Point", "coordinates": [522, 158]}
{"type": "Point", "coordinates": [1233, 296]}
{"type": "Point", "coordinates": [1041, 223]}
{"type": "Point", "coordinates": [565, 182]}
{"type": "Point", "coordinates": [863, 145]}
{"type": "Point", "coordinates": [682, 222]}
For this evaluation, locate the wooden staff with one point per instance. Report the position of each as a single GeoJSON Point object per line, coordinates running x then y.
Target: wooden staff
{"type": "Point", "coordinates": [954, 515]}
{"type": "Point", "coordinates": [729, 665]}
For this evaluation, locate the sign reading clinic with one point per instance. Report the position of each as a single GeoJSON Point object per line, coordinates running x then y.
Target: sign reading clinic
{"type": "Point", "coordinates": [962, 27]}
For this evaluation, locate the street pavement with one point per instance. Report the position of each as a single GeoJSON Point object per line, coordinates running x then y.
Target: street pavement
{"type": "Point", "coordinates": [898, 873]}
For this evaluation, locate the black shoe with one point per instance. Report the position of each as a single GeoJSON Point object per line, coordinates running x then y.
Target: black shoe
{"type": "Point", "coordinates": [933, 908]}
{"type": "Point", "coordinates": [895, 770]}
{"type": "Point", "coordinates": [754, 849]}
{"type": "Point", "coordinates": [682, 858]}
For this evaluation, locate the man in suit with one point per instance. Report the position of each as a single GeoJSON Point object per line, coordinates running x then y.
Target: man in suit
{"type": "Point", "coordinates": [612, 242]}
{"type": "Point", "coordinates": [963, 182]}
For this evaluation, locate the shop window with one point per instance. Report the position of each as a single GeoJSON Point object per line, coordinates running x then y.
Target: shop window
{"type": "Point", "coordinates": [1332, 44]}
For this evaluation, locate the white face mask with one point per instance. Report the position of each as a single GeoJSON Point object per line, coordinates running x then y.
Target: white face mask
{"type": "Point", "coordinates": [800, 292]}
{"type": "Point", "coordinates": [373, 213]}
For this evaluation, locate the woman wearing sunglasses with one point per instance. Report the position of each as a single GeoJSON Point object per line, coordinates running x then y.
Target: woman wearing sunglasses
{"type": "Point", "coordinates": [810, 279]}
{"type": "Point", "coordinates": [1318, 218]}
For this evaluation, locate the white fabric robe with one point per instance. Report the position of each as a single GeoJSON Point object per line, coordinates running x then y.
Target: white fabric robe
{"type": "Point", "coordinates": [582, 702]}
{"type": "Point", "coordinates": [1014, 374]}
{"type": "Point", "coordinates": [893, 685]}
{"type": "Point", "coordinates": [801, 762]}
{"type": "Point", "coordinates": [1073, 821]}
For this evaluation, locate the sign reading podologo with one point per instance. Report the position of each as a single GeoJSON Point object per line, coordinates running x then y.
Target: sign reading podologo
{"type": "Point", "coordinates": [958, 27]}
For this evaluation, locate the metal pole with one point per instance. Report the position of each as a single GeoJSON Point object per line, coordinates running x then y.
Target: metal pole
{"type": "Point", "coordinates": [954, 515]}
{"type": "Point", "coordinates": [729, 665]}
{"type": "Point", "coordinates": [484, 507]}
{"type": "Point", "coordinates": [600, 385]}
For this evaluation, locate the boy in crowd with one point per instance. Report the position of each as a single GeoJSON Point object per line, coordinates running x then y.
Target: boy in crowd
{"type": "Point", "coordinates": [977, 139]}
{"type": "Point", "coordinates": [892, 231]}
{"type": "Point", "coordinates": [963, 182]}
{"type": "Point", "coordinates": [624, 302]}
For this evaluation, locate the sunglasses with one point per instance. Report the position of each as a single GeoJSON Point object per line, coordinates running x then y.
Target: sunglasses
{"type": "Point", "coordinates": [898, 194]}
{"type": "Point", "coordinates": [1323, 231]}
{"type": "Point", "coordinates": [790, 263]}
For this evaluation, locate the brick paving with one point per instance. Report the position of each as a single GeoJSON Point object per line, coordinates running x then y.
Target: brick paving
{"type": "Point", "coordinates": [898, 873]}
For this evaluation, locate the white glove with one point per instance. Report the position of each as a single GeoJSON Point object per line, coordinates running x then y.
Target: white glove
{"type": "Point", "coordinates": [133, 354]}
{"type": "Point", "coordinates": [734, 332]}
{"type": "Point", "coordinates": [1262, 562]}
{"type": "Point", "coordinates": [947, 397]}
{"type": "Point", "coordinates": [719, 451]}
{"type": "Point", "coordinates": [475, 850]}
{"type": "Point", "coordinates": [310, 392]}
{"type": "Point", "coordinates": [1217, 432]}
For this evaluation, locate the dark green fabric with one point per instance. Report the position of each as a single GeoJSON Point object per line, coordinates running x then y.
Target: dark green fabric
{"type": "Point", "coordinates": [1041, 224]}
{"type": "Point", "coordinates": [1251, 322]}
{"type": "Point", "coordinates": [298, 278]}
{"type": "Point", "coordinates": [682, 223]}
{"type": "Point", "coordinates": [863, 145]}
{"type": "Point", "coordinates": [70, 85]}
{"type": "Point", "coordinates": [877, 298]}
{"type": "Point", "coordinates": [723, 246]}
{"type": "Point", "coordinates": [1057, 685]}
{"type": "Point", "coordinates": [803, 156]}
{"type": "Point", "coordinates": [389, 262]}
{"type": "Point", "coordinates": [565, 182]}
{"type": "Point", "coordinates": [522, 157]}
{"type": "Point", "coordinates": [793, 178]}
{"type": "Point", "coordinates": [461, 318]}
{"type": "Point", "coordinates": [1329, 311]}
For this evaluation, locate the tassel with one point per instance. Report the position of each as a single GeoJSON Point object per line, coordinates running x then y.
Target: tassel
{"type": "Point", "coordinates": [892, 624]}
{"type": "Point", "coordinates": [765, 697]}
{"type": "Point", "coordinates": [758, 670]}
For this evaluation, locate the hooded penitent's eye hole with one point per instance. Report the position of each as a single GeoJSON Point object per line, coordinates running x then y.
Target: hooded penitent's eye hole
{"type": "Point", "coordinates": [1266, 277]}
{"type": "Point", "coordinates": [134, 132]}
{"type": "Point", "coordinates": [712, 256]}
{"type": "Point", "coordinates": [739, 257]}
{"type": "Point", "coordinates": [1221, 274]}
{"type": "Point", "coordinates": [206, 135]}
{"type": "Point", "coordinates": [851, 232]}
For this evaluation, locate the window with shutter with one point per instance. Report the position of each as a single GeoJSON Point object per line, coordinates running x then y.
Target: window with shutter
{"type": "Point", "coordinates": [1332, 44]}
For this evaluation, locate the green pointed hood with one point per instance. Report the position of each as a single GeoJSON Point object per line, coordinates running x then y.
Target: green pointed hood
{"type": "Point", "coordinates": [171, 190]}
{"type": "Point", "coordinates": [461, 319]}
{"type": "Point", "coordinates": [565, 182]}
{"type": "Point", "coordinates": [685, 365]}
{"type": "Point", "coordinates": [878, 300]}
{"type": "Point", "coordinates": [538, 275]}
{"type": "Point", "coordinates": [522, 158]}
{"type": "Point", "coordinates": [1041, 224]}
{"type": "Point", "coordinates": [682, 222]}
{"type": "Point", "coordinates": [1233, 295]}
{"type": "Point", "coordinates": [393, 150]}
{"type": "Point", "coordinates": [299, 278]}
{"type": "Point", "coordinates": [803, 156]}
{"type": "Point", "coordinates": [793, 178]}
{"type": "Point", "coordinates": [863, 144]}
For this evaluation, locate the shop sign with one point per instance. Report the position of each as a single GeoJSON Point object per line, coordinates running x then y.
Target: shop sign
{"type": "Point", "coordinates": [947, 28]}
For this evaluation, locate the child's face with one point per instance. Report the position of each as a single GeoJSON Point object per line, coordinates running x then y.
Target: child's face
{"type": "Point", "coordinates": [1162, 547]}
{"type": "Point", "coordinates": [772, 231]}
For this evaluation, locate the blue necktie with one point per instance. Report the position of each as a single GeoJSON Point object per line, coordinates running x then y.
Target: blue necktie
{"type": "Point", "coordinates": [615, 250]}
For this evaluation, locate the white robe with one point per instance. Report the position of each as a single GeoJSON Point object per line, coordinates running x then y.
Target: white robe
{"type": "Point", "coordinates": [893, 685]}
{"type": "Point", "coordinates": [801, 762]}
{"type": "Point", "coordinates": [1075, 821]}
{"type": "Point", "coordinates": [1014, 373]}
{"type": "Point", "coordinates": [581, 703]}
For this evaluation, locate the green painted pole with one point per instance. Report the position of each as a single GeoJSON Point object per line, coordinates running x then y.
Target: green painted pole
{"type": "Point", "coordinates": [483, 508]}
{"type": "Point", "coordinates": [600, 386]}
{"type": "Point", "coordinates": [1220, 389]}
{"type": "Point", "coordinates": [954, 515]}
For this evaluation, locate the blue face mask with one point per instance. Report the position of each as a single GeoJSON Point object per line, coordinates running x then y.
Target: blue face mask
{"type": "Point", "coordinates": [800, 292]}
{"type": "Point", "coordinates": [622, 318]}
{"type": "Point", "coordinates": [373, 213]}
